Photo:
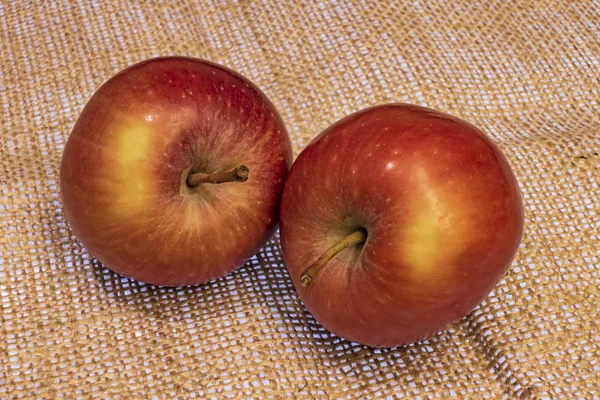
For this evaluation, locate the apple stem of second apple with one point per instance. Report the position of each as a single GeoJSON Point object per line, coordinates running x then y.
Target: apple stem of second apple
{"type": "Point", "coordinates": [237, 174]}
{"type": "Point", "coordinates": [309, 274]}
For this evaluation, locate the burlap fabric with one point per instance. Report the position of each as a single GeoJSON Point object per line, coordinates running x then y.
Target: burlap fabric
{"type": "Point", "coordinates": [527, 73]}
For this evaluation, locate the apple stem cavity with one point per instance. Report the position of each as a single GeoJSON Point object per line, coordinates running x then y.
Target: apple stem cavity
{"type": "Point", "coordinates": [309, 274]}
{"type": "Point", "coordinates": [238, 174]}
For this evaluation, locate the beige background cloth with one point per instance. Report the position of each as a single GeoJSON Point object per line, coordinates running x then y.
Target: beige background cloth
{"type": "Point", "coordinates": [526, 72]}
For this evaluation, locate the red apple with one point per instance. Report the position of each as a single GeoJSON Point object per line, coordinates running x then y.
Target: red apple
{"type": "Point", "coordinates": [174, 171]}
{"type": "Point", "coordinates": [397, 221]}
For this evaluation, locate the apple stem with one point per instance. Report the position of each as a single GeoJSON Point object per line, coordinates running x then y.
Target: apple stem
{"type": "Point", "coordinates": [238, 174]}
{"type": "Point", "coordinates": [311, 272]}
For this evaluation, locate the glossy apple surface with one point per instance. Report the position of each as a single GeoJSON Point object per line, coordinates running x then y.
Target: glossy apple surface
{"type": "Point", "coordinates": [125, 168]}
{"type": "Point", "coordinates": [439, 206]}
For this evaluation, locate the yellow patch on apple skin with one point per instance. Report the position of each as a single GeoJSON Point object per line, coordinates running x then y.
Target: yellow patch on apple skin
{"type": "Point", "coordinates": [437, 229]}
{"type": "Point", "coordinates": [131, 144]}
{"type": "Point", "coordinates": [423, 246]}
{"type": "Point", "coordinates": [127, 182]}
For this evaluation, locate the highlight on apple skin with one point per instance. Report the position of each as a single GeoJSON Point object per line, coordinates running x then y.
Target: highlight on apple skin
{"type": "Point", "coordinates": [397, 221]}
{"type": "Point", "coordinates": [174, 170]}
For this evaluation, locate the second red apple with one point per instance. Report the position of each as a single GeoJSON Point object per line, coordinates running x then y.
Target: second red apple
{"type": "Point", "coordinates": [397, 221]}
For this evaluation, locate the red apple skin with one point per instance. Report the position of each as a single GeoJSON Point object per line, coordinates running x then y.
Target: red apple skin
{"type": "Point", "coordinates": [442, 211]}
{"type": "Point", "coordinates": [124, 170]}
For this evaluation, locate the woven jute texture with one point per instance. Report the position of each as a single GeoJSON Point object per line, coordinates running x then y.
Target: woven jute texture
{"type": "Point", "coordinates": [526, 72]}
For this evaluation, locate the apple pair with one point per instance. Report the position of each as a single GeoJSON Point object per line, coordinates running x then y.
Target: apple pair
{"type": "Point", "coordinates": [395, 221]}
